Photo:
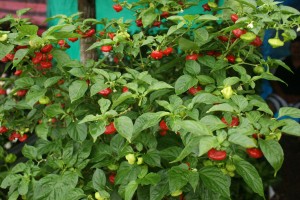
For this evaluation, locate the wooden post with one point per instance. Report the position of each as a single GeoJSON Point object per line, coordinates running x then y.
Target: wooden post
{"type": "Point", "coordinates": [87, 7]}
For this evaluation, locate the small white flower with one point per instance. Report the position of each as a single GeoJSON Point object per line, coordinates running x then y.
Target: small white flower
{"type": "Point", "coordinates": [8, 90]}
{"type": "Point", "coordinates": [7, 145]}
{"type": "Point", "coordinates": [298, 29]}
{"type": "Point", "coordinates": [250, 25]}
{"type": "Point", "coordinates": [2, 83]}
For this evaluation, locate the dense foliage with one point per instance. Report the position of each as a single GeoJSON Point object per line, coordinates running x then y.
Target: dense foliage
{"type": "Point", "coordinates": [170, 112]}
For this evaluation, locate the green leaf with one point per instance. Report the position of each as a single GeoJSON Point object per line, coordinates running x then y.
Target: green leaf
{"type": "Point", "coordinates": [124, 126]}
{"type": "Point", "coordinates": [148, 16]}
{"type": "Point", "coordinates": [60, 56]}
{"type": "Point", "coordinates": [289, 111]}
{"type": "Point", "coordinates": [183, 83]}
{"type": "Point", "coordinates": [77, 90]}
{"type": "Point", "coordinates": [130, 190]}
{"type": "Point", "coordinates": [158, 86]}
{"type": "Point", "coordinates": [292, 127]}
{"type": "Point", "coordinates": [178, 178]}
{"type": "Point", "coordinates": [96, 129]}
{"type": "Point", "coordinates": [23, 186]}
{"type": "Point", "coordinates": [10, 179]}
{"type": "Point", "coordinates": [99, 180]}
{"type": "Point", "coordinates": [53, 186]}
{"type": "Point", "coordinates": [147, 120]}
{"type": "Point", "coordinates": [250, 175]}
{"type": "Point", "coordinates": [160, 190]}
{"type": "Point", "coordinates": [204, 79]}
{"type": "Point", "coordinates": [5, 49]}
{"type": "Point", "coordinates": [195, 127]}
{"type": "Point", "coordinates": [192, 67]}
{"type": "Point", "coordinates": [98, 86]}
{"type": "Point", "coordinates": [152, 158]}
{"type": "Point", "coordinates": [14, 196]}
{"type": "Point", "coordinates": [201, 36]}
{"type": "Point", "coordinates": [206, 143]}
{"type": "Point", "coordinates": [123, 97]}
{"type": "Point", "coordinates": [207, 18]}
{"type": "Point", "coordinates": [24, 82]}
{"type": "Point", "coordinates": [193, 179]}
{"type": "Point", "coordinates": [51, 81]}
{"type": "Point", "coordinates": [242, 140]}
{"type": "Point", "coordinates": [20, 54]}
{"type": "Point", "coordinates": [34, 94]}
{"type": "Point", "coordinates": [104, 105]}
{"type": "Point", "coordinates": [272, 152]}
{"type": "Point", "coordinates": [251, 3]}
{"type": "Point", "coordinates": [53, 110]}
{"type": "Point", "coordinates": [206, 98]}
{"type": "Point", "coordinates": [90, 118]}
{"type": "Point", "coordinates": [77, 132]}
{"type": "Point", "coordinates": [190, 145]}
{"type": "Point", "coordinates": [150, 179]}
{"type": "Point", "coordinates": [207, 61]}
{"type": "Point", "coordinates": [126, 173]}
{"type": "Point", "coordinates": [240, 101]}
{"type": "Point", "coordinates": [22, 11]}
{"type": "Point", "coordinates": [212, 122]}
{"type": "Point", "coordinates": [78, 72]}
{"type": "Point", "coordinates": [214, 179]}
{"type": "Point", "coordinates": [29, 152]}
{"type": "Point", "coordinates": [231, 81]}
{"type": "Point", "coordinates": [221, 107]}
{"type": "Point", "coordinates": [187, 45]}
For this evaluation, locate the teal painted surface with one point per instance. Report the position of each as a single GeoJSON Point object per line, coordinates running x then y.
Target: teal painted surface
{"type": "Point", "coordinates": [104, 9]}
{"type": "Point", "coordinates": [66, 7]}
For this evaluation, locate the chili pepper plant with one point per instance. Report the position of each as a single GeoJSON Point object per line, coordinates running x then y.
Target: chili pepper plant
{"type": "Point", "coordinates": [168, 112]}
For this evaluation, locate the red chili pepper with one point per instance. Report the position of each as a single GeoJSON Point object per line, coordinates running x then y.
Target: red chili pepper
{"type": "Point", "coordinates": [192, 57]}
{"type": "Point", "coordinates": [111, 35]}
{"type": "Point", "coordinates": [3, 129]}
{"type": "Point", "coordinates": [234, 121]}
{"type": "Point", "coordinates": [110, 129]}
{"type": "Point", "coordinates": [117, 7]}
{"type": "Point", "coordinates": [216, 155]}
{"type": "Point", "coordinates": [21, 93]}
{"type": "Point", "coordinates": [139, 22]}
{"type": "Point", "coordinates": [106, 48]}
{"type": "Point", "coordinates": [2, 91]}
{"type": "Point", "coordinates": [47, 48]}
{"type": "Point", "coordinates": [157, 55]}
{"type": "Point", "coordinates": [234, 17]}
{"type": "Point", "coordinates": [223, 38]}
{"type": "Point", "coordinates": [4, 59]}
{"type": "Point", "coordinates": [256, 42]}
{"type": "Point", "coordinates": [89, 33]}
{"type": "Point", "coordinates": [23, 137]}
{"type": "Point", "coordinates": [38, 57]}
{"type": "Point", "coordinates": [10, 56]}
{"type": "Point", "coordinates": [14, 136]}
{"type": "Point", "coordinates": [231, 58]}
{"type": "Point", "coordinates": [105, 92]}
{"type": "Point", "coordinates": [163, 125]}
{"type": "Point", "coordinates": [125, 89]}
{"type": "Point", "coordinates": [111, 178]}
{"type": "Point", "coordinates": [157, 23]}
{"type": "Point", "coordinates": [61, 43]}
{"type": "Point", "coordinates": [165, 14]}
{"type": "Point", "coordinates": [18, 72]}
{"type": "Point", "coordinates": [238, 32]}
{"type": "Point", "coordinates": [46, 64]}
{"type": "Point", "coordinates": [254, 153]}
{"type": "Point", "coordinates": [194, 90]}
{"type": "Point", "coordinates": [206, 7]}
{"type": "Point", "coordinates": [73, 39]}
{"type": "Point", "coordinates": [167, 51]}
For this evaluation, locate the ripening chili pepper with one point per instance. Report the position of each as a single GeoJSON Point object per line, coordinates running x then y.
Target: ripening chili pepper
{"type": "Point", "coordinates": [254, 153]}
{"type": "Point", "coordinates": [216, 155]}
